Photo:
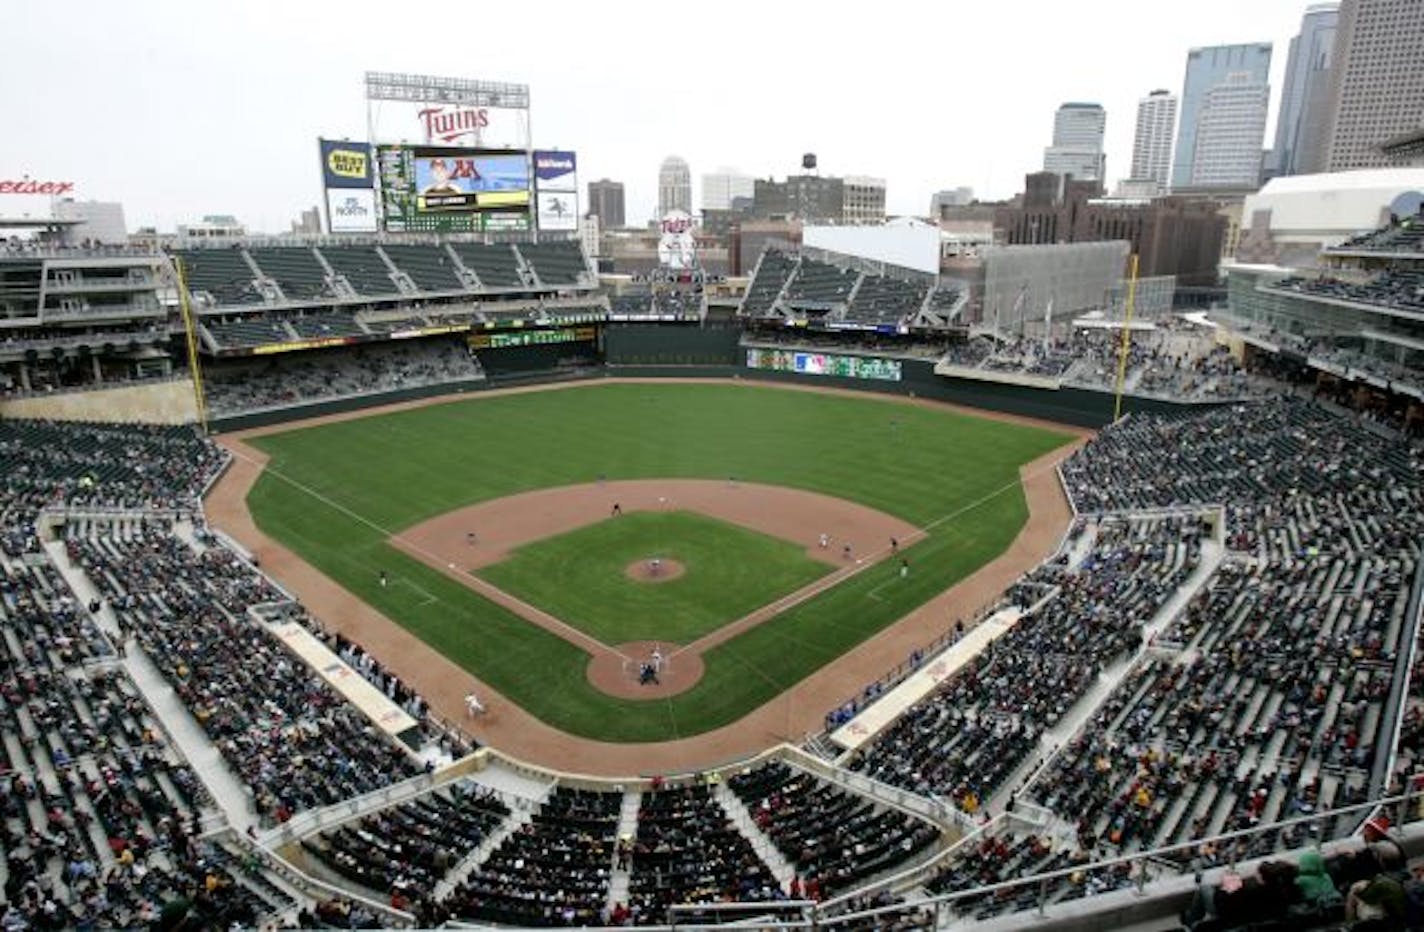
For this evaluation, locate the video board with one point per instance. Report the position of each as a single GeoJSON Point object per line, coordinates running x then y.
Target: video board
{"type": "Point", "coordinates": [803, 363]}
{"type": "Point", "coordinates": [442, 189]}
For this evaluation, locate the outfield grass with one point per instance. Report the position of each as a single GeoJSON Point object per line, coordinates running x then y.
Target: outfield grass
{"type": "Point", "coordinates": [335, 493]}
{"type": "Point", "coordinates": [579, 577]}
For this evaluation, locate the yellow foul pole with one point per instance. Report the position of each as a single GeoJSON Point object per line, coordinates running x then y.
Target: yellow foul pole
{"type": "Point", "coordinates": [190, 332]}
{"type": "Point", "coordinates": [1126, 343]}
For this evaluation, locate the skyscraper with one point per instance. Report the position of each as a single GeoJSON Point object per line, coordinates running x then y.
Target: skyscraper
{"type": "Point", "coordinates": [1377, 82]}
{"type": "Point", "coordinates": [1152, 139]}
{"type": "Point", "coordinates": [1206, 68]}
{"type": "Point", "coordinates": [1305, 94]}
{"type": "Point", "coordinates": [674, 186]}
{"type": "Point", "coordinates": [1230, 127]}
{"type": "Point", "coordinates": [723, 187]}
{"type": "Point", "coordinates": [1077, 148]}
{"type": "Point", "coordinates": [605, 201]}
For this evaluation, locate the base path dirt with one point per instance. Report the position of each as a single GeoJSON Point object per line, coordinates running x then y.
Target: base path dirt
{"type": "Point", "coordinates": [622, 678]}
{"type": "Point", "coordinates": [790, 717]}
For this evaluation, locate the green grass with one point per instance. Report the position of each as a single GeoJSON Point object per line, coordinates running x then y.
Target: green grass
{"type": "Point", "coordinates": [579, 577]}
{"type": "Point", "coordinates": [335, 493]}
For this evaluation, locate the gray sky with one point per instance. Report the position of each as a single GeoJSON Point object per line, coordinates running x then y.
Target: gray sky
{"type": "Point", "coordinates": [179, 109]}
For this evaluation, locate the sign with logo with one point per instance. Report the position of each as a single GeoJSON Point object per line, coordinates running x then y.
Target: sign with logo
{"type": "Point", "coordinates": [438, 124]}
{"type": "Point", "coordinates": [555, 171]}
{"type": "Point", "coordinates": [351, 210]}
{"type": "Point", "coordinates": [676, 247]}
{"type": "Point", "coordinates": [558, 210]}
{"type": "Point", "coordinates": [27, 185]}
{"type": "Point", "coordinates": [346, 164]}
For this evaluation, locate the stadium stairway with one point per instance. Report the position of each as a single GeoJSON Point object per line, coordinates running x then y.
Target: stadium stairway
{"type": "Point", "coordinates": [741, 817]}
{"type": "Point", "coordinates": [224, 787]}
{"type": "Point", "coordinates": [1213, 551]}
{"type": "Point", "coordinates": [618, 879]}
{"type": "Point", "coordinates": [520, 815]}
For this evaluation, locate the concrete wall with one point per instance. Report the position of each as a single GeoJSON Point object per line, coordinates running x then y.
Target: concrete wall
{"type": "Point", "coordinates": [153, 403]}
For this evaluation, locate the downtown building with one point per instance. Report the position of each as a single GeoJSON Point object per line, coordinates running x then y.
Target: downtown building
{"type": "Point", "coordinates": [1152, 143]}
{"type": "Point", "coordinates": [1225, 99]}
{"type": "Point", "coordinates": [1077, 148]}
{"type": "Point", "coordinates": [1305, 95]}
{"type": "Point", "coordinates": [1376, 82]}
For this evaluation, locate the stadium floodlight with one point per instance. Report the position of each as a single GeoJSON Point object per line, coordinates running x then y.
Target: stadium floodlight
{"type": "Point", "coordinates": [385, 85]}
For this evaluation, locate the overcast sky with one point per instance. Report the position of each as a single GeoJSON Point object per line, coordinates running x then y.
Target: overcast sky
{"type": "Point", "coordinates": [180, 109]}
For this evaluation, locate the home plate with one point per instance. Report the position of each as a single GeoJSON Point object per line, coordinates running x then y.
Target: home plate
{"type": "Point", "coordinates": [451, 565]}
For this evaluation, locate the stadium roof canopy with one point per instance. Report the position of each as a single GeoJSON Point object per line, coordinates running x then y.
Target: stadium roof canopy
{"type": "Point", "coordinates": [35, 223]}
{"type": "Point", "coordinates": [1335, 204]}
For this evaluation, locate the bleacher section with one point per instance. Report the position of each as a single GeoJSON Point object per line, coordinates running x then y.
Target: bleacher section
{"type": "Point", "coordinates": [820, 284]}
{"type": "Point", "coordinates": [429, 267]}
{"type": "Point", "coordinates": [943, 299]}
{"type": "Point", "coordinates": [222, 273]}
{"type": "Point", "coordinates": [494, 265]}
{"type": "Point", "coordinates": [1398, 288]}
{"type": "Point", "coordinates": [316, 326]}
{"type": "Point", "coordinates": [254, 331]}
{"type": "Point", "coordinates": [884, 300]}
{"type": "Point", "coordinates": [771, 275]}
{"type": "Point", "coordinates": [1405, 235]}
{"type": "Point", "coordinates": [363, 268]}
{"type": "Point", "coordinates": [295, 269]}
{"type": "Point", "coordinates": [556, 264]}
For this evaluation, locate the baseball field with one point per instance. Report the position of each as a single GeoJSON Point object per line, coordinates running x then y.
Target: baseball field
{"type": "Point", "coordinates": [349, 496]}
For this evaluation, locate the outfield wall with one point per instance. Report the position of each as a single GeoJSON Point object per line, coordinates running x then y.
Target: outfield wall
{"type": "Point", "coordinates": [671, 345]}
{"type": "Point", "coordinates": [162, 402]}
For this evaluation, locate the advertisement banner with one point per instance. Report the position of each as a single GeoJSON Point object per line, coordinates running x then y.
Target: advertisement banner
{"type": "Point", "coordinates": [555, 170]}
{"type": "Point", "coordinates": [437, 124]}
{"type": "Point", "coordinates": [351, 210]}
{"type": "Point", "coordinates": [558, 210]}
{"type": "Point", "coordinates": [346, 164]}
{"type": "Point", "coordinates": [846, 367]}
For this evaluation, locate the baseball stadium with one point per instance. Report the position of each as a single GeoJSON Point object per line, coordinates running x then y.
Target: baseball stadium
{"type": "Point", "coordinates": [435, 576]}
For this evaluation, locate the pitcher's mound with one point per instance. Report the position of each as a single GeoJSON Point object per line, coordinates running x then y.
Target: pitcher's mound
{"type": "Point", "coordinates": [654, 570]}
{"type": "Point", "coordinates": [615, 672]}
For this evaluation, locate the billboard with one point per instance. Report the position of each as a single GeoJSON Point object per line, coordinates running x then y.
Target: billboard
{"type": "Point", "coordinates": [846, 367]}
{"type": "Point", "coordinates": [351, 210]}
{"type": "Point", "coordinates": [556, 189]}
{"type": "Point", "coordinates": [437, 124]}
{"type": "Point", "coordinates": [346, 164]}
{"type": "Point", "coordinates": [558, 210]}
{"type": "Point", "coordinates": [556, 170]}
{"type": "Point", "coordinates": [453, 190]}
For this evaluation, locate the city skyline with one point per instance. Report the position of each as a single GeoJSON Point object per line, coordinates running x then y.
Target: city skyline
{"type": "Point", "coordinates": [257, 160]}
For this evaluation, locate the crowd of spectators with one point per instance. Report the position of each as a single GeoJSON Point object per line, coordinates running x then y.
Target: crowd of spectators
{"type": "Point", "coordinates": [401, 853]}
{"type": "Point", "coordinates": [292, 740]}
{"type": "Point", "coordinates": [688, 851]}
{"type": "Point", "coordinates": [363, 370]}
{"type": "Point", "coordinates": [99, 812]}
{"type": "Point", "coordinates": [552, 871]}
{"type": "Point", "coordinates": [986, 719]}
{"type": "Point", "coordinates": [835, 839]}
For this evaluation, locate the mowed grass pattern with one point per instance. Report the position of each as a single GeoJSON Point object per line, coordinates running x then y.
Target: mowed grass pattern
{"type": "Point", "coordinates": [580, 576]}
{"type": "Point", "coordinates": [334, 493]}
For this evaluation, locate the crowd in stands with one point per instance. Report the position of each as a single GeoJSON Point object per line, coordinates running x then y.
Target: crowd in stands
{"type": "Point", "coordinates": [552, 871]}
{"type": "Point", "coordinates": [688, 851]}
{"type": "Point", "coordinates": [985, 721]}
{"type": "Point", "coordinates": [291, 739]}
{"type": "Point", "coordinates": [99, 812]}
{"type": "Point", "coordinates": [371, 369]}
{"type": "Point", "coordinates": [401, 853]}
{"type": "Point", "coordinates": [1395, 288]}
{"type": "Point", "coordinates": [835, 840]}
{"type": "Point", "coordinates": [1167, 362]}
{"type": "Point", "coordinates": [1401, 234]}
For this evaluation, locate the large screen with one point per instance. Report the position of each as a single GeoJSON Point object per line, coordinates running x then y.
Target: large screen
{"type": "Point", "coordinates": [453, 190]}
{"type": "Point", "coordinates": [802, 363]}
